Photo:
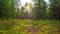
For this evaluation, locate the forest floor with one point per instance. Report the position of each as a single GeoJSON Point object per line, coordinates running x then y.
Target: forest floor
{"type": "Point", "coordinates": [29, 26]}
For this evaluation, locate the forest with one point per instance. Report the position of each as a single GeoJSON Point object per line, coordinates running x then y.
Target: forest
{"type": "Point", "coordinates": [25, 17]}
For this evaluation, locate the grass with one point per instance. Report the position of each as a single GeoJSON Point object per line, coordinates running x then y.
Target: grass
{"type": "Point", "coordinates": [28, 26]}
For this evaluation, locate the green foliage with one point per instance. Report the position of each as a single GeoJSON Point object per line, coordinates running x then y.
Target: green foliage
{"type": "Point", "coordinates": [39, 10]}
{"type": "Point", "coordinates": [55, 6]}
{"type": "Point", "coordinates": [7, 9]}
{"type": "Point", "coordinates": [22, 13]}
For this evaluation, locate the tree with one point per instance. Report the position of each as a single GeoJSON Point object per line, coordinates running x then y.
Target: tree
{"type": "Point", "coordinates": [3, 7]}
{"type": "Point", "coordinates": [55, 6]}
{"type": "Point", "coordinates": [7, 8]}
{"type": "Point", "coordinates": [40, 9]}
{"type": "Point", "coordinates": [21, 13]}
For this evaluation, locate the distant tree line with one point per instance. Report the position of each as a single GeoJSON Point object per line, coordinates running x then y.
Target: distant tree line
{"type": "Point", "coordinates": [42, 11]}
{"type": "Point", "coordinates": [7, 9]}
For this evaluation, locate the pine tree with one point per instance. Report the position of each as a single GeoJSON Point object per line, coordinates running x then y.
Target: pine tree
{"type": "Point", "coordinates": [7, 8]}
{"type": "Point", "coordinates": [55, 8]}
{"type": "Point", "coordinates": [39, 10]}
